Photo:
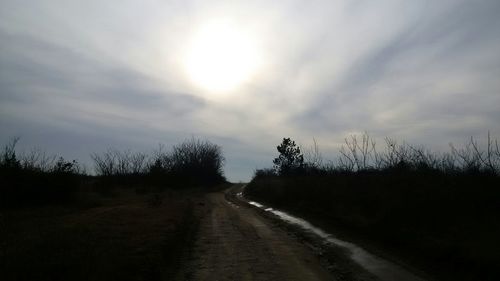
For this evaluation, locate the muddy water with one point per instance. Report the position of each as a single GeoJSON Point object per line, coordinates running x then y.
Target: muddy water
{"type": "Point", "coordinates": [383, 269]}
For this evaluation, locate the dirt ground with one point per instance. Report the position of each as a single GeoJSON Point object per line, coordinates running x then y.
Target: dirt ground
{"type": "Point", "coordinates": [236, 243]}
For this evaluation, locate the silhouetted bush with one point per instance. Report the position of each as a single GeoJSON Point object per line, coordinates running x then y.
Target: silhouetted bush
{"type": "Point", "coordinates": [264, 173]}
{"type": "Point", "coordinates": [193, 162]}
{"type": "Point", "coordinates": [358, 154]}
{"type": "Point", "coordinates": [35, 178]}
{"type": "Point", "coordinates": [438, 210]}
{"type": "Point", "coordinates": [199, 161]}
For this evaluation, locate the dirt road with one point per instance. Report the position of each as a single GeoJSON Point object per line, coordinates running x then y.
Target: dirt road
{"type": "Point", "coordinates": [235, 243]}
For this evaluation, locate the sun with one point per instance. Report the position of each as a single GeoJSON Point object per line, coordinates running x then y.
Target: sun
{"type": "Point", "coordinates": [220, 57]}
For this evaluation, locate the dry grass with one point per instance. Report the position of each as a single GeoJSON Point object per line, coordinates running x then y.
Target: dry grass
{"type": "Point", "coordinates": [125, 237]}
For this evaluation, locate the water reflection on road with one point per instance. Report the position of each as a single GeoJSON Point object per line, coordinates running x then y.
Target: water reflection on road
{"type": "Point", "coordinates": [383, 269]}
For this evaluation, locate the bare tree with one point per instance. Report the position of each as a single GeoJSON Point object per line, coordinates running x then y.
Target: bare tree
{"type": "Point", "coordinates": [357, 155]}
{"type": "Point", "coordinates": [105, 163]}
{"type": "Point", "coordinates": [312, 156]}
{"type": "Point", "coordinates": [138, 162]}
{"type": "Point", "coordinates": [37, 159]}
{"type": "Point", "coordinates": [8, 157]}
{"type": "Point", "coordinates": [468, 157]}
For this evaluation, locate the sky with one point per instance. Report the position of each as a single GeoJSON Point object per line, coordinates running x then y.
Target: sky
{"type": "Point", "coordinates": [80, 76]}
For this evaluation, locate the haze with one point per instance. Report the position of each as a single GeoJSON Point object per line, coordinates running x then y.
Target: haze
{"type": "Point", "coordinates": [80, 76]}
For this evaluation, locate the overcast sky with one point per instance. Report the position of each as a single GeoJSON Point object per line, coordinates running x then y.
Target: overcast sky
{"type": "Point", "coordinates": [80, 76]}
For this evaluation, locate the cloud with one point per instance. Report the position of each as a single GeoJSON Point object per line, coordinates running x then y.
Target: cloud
{"type": "Point", "coordinates": [82, 76]}
{"type": "Point", "coordinates": [418, 76]}
{"type": "Point", "coordinates": [55, 81]}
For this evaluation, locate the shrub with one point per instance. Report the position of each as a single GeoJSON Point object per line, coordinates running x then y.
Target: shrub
{"type": "Point", "coordinates": [201, 161]}
{"type": "Point", "coordinates": [264, 173]}
{"type": "Point", "coordinates": [191, 162]}
{"type": "Point", "coordinates": [35, 178]}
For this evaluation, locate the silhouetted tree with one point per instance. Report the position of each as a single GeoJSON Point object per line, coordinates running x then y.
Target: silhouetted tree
{"type": "Point", "coordinates": [8, 158]}
{"type": "Point", "coordinates": [290, 159]}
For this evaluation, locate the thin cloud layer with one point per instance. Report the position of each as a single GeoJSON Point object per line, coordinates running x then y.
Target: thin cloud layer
{"type": "Point", "coordinates": [77, 77]}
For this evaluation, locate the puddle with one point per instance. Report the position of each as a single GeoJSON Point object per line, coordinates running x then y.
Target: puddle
{"type": "Point", "coordinates": [383, 269]}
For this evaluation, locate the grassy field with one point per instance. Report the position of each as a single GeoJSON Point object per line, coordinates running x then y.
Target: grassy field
{"type": "Point", "coordinates": [121, 236]}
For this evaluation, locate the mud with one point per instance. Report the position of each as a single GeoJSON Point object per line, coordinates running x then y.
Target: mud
{"type": "Point", "coordinates": [234, 242]}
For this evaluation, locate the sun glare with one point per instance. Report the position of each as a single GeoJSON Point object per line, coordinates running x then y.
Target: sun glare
{"type": "Point", "coordinates": [220, 58]}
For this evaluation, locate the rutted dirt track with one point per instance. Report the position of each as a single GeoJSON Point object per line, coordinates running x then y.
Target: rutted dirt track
{"type": "Point", "coordinates": [235, 243]}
